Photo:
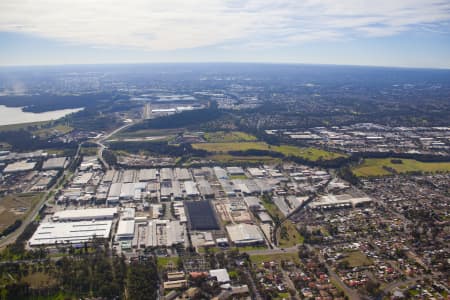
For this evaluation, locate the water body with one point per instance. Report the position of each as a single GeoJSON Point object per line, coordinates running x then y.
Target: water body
{"type": "Point", "coordinates": [15, 115]}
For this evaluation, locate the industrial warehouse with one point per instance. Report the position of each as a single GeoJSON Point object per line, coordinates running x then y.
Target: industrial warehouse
{"type": "Point", "coordinates": [70, 233]}
{"type": "Point", "coordinates": [201, 216]}
{"type": "Point", "coordinates": [170, 207]}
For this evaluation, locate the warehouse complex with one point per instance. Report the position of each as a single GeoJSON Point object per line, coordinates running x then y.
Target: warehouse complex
{"type": "Point", "coordinates": [180, 207]}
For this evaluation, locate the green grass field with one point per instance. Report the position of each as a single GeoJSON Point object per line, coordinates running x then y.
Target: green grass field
{"type": "Point", "coordinates": [357, 259]}
{"type": "Point", "coordinates": [312, 154]}
{"type": "Point", "coordinates": [231, 159]}
{"type": "Point", "coordinates": [283, 296]}
{"type": "Point", "coordinates": [165, 262]}
{"type": "Point", "coordinates": [378, 167]}
{"type": "Point", "coordinates": [226, 147]}
{"type": "Point", "coordinates": [89, 151]}
{"type": "Point", "coordinates": [146, 133]}
{"type": "Point", "coordinates": [232, 136]}
{"type": "Point", "coordinates": [238, 177]}
{"type": "Point", "coordinates": [293, 237]}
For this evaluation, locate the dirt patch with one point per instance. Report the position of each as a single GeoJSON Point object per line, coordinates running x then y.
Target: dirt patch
{"type": "Point", "coordinates": [16, 206]}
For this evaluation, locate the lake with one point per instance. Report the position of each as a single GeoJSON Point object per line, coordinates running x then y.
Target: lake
{"type": "Point", "coordinates": [15, 115]}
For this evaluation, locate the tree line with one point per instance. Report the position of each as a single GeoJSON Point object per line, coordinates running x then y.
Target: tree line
{"type": "Point", "coordinates": [90, 271]}
{"type": "Point", "coordinates": [161, 148]}
{"type": "Point", "coordinates": [23, 140]}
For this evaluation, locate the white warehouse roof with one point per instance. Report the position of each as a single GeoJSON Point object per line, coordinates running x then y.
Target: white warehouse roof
{"type": "Point", "coordinates": [128, 213]}
{"type": "Point", "coordinates": [221, 275]}
{"type": "Point", "coordinates": [235, 171]}
{"type": "Point", "coordinates": [19, 166]}
{"type": "Point", "coordinates": [339, 200]}
{"type": "Point", "coordinates": [127, 191]}
{"type": "Point", "coordinates": [74, 232]}
{"type": "Point", "coordinates": [83, 179]}
{"type": "Point", "coordinates": [242, 234]}
{"type": "Point", "coordinates": [125, 229]}
{"type": "Point", "coordinates": [147, 174]}
{"type": "Point", "coordinates": [191, 188]}
{"type": "Point", "coordinates": [85, 214]}
{"type": "Point", "coordinates": [54, 163]}
{"type": "Point", "coordinates": [114, 190]}
{"type": "Point", "coordinates": [165, 233]}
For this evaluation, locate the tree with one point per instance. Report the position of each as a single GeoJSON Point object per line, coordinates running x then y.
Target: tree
{"type": "Point", "coordinates": [142, 281]}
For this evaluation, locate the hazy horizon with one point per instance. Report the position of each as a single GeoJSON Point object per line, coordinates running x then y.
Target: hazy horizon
{"type": "Point", "coordinates": [11, 66]}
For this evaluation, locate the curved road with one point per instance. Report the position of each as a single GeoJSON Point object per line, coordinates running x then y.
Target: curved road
{"type": "Point", "coordinates": [102, 147]}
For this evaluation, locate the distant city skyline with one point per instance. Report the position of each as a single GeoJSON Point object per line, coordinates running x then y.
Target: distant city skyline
{"type": "Point", "coordinates": [401, 33]}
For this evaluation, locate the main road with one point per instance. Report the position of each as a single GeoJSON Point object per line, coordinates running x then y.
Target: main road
{"type": "Point", "coordinates": [102, 139]}
{"type": "Point", "coordinates": [11, 238]}
{"type": "Point", "coordinates": [146, 114]}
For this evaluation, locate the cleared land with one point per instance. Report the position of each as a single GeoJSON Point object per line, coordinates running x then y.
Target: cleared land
{"type": "Point", "coordinates": [312, 154]}
{"type": "Point", "coordinates": [14, 207]}
{"type": "Point", "coordinates": [384, 166]}
{"type": "Point", "coordinates": [232, 136]}
{"type": "Point", "coordinates": [357, 259]}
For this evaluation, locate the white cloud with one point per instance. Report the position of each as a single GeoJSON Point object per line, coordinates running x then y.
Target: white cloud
{"type": "Point", "coordinates": [181, 24]}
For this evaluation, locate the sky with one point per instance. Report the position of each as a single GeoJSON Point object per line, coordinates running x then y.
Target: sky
{"type": "Point", "coordinates": [404, 33]}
